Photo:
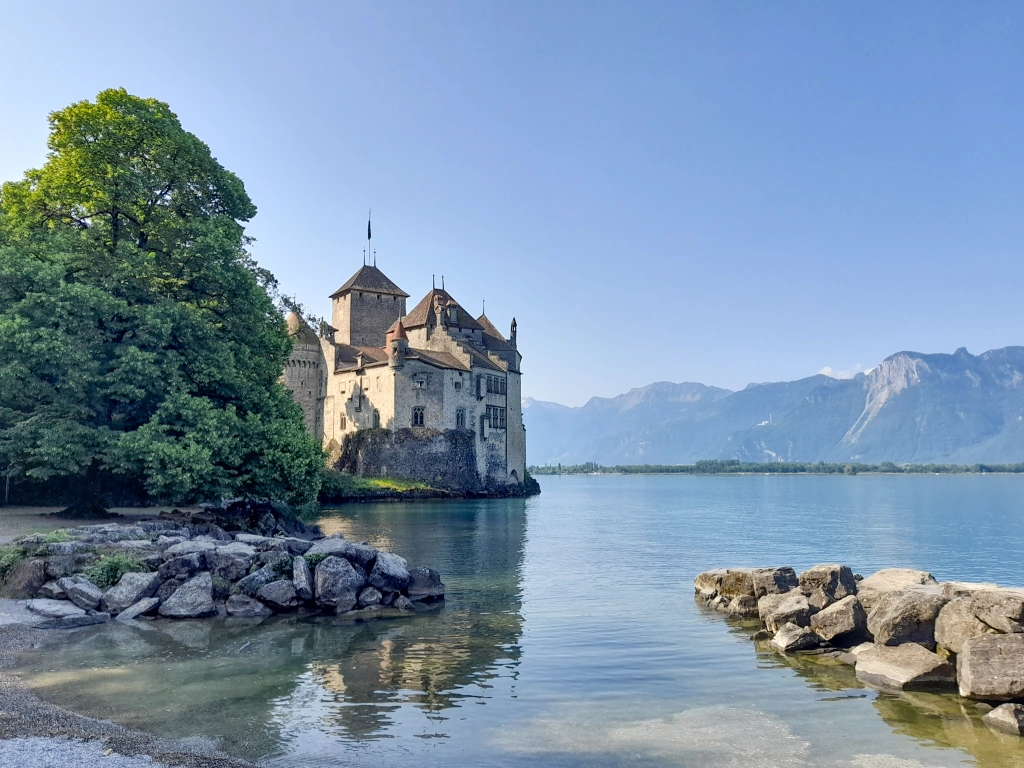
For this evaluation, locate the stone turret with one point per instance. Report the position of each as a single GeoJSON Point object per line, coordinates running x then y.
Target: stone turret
{"type": "Point", "coordinates": [398, 345]}
{"type": "Point", "coordinates": [365, 306]}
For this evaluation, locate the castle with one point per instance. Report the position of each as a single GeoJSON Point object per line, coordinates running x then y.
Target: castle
{"type": "Point", "coordinates": [432, 394]}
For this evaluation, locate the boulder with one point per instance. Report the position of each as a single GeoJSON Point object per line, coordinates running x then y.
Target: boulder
{"type": "Point", "coordinates": [369, 596]}
{"type": "Point", "coordinates": [254, 582]}
{"type": "Point", "coordinates": [705, 595]}
{"type": "Point", "coordinates": [833, 579]}
{"type": "Point", "coordinates": [183, 566]}
{"type": "Point", "coordinates": [791, 637]}
{"type": "Point", "coordinates": [168, 587]}
{"type": "Point", "coordinates": [65, 565]}
{"type": "Point", "coordinates": [332, 545]}
{"type": "Point", "coordinates": [189, 548]}
{"type": "Point", "coordinates": [51, 590]}
{"type": "Point", "coordinates": [425, 586]}
{"type": "Point", "coordinates": [337, 584]}
{"type": "Point", "coordinates": [907, 667]}
{"type": "Point", "coordinates": [744, 606]}
{"type": "Point", "coordinates": [773, 581]}
{"type": "Point", "coordinates": [131, 588]}
{"type": "Point", "coordinates": [165, 542]}
{"type": "Point", "coordinates": [209, 532]}
{"type": "Point", "coordinates": [54, 609]}
{"type": "Point", "coordinates": [991, 668]}
{"type": "Point", "coordinates": [71, 622]}
{"type": "Point", "coordinates": [192, 600]}
{"type": "Point", "coordinates": [906, 617]}
{"type": "Point", "coordinates": [1008, 718]}
{"type": "Point", "coordinates": [145, 605]}
{"type": "Point", "coordinates": [26, 578]}
{"type": "Point", "coordinates": [136, 544]}
{"type": "Point", "coordinates": [953, 589]}
{"type": "Point", "coordinates": [279, 595]}
{"type": "Point", "coordinates": [1001, 609]}
{"type": "Point", "coordinates": [231, 561]}
{"type": "Point", "coordinates": [259, 543]}
{"type": "Point", "coordinates": [402, 603]}
{"type": "Point", "coordinates": [889, 580]}
{"type": "Point", "coordinates": [956, 624]}
{"type": "Point", "coordinates": [294, 546]}
{"type": "Point", "coordinates": [841, 623]}
{"type": "Point", "coordinates": [245, 607]}
{"type": "Point", "coordinates": [778, 610]}
{"type": "Point", "coordinates": [821, 599]}
{"type": "Point", "coordinates": [390, 573]}
{"type": "Point", "coordinates": [720, 603]}
{"type": "Point", "coordinates": [730, 582]}
{"type": "Point", "coordinates": [302, 578]}
{"type": "Point", "coordinates": [81, 592]}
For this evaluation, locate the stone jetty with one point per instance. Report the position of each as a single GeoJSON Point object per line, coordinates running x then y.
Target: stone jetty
{"type": "Point", "coordinates": [172, 570]}
{"type": "Point", "coordinates": [899, 627]}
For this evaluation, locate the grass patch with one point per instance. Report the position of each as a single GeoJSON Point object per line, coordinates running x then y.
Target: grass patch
{"type": "Point", "coordinates": [55, 537]}
{"type": "Point", "coordinates": [109, 569]}
{"type": "Point", "coordinates": [315, 559]}
{"type": "Point", "coordinates": [10, 556]}
{"type": "Point", "coordinates": [338, 486]}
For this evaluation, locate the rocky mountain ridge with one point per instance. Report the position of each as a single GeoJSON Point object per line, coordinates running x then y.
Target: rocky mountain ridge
{"type": "Point", "coordinates": [911, 408]}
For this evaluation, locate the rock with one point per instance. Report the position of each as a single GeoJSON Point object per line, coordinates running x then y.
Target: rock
{"type": "Point", "coordinates": [145, 605]}
{"type": "Point", "coordinates": [192, 600]}
{"type": "Point", "coordinates": [720, 603]}
{"type": "Point", "coordinates": [907, 667]}
{"type": "Point", "coordinates": [209, 532]}
{"type": "Point", "coordinates": [370, 596]}
{"type": "Point", "coordinates": [164, 542]}
{"type": "Point", "coordinates": [71, 622]}
{"type": "Point", "coordinates": [705, 595]}
{"type": "Point", "coordinates": [842, 622]}
{"type": "Point", "coordinates": [953, 589]}
{"type": "Point", "coordinates": [337, 584]}
{"type": "Point", "coordinates": [744, 606]}
{"type": "Point", "coordinates": [1008, 718]}
{"type": "Point", "coordinates": [65, 565]}
{"type": "Point", "coordinates": [761, 635]}
{"type": "Point", "coordinates": [302, 578]}
{"type": "Point", "coordinates": [136, 544]}
{"type": "Point", "coordinates": [792, 638]}
{"type": "Point", "coordinates": [131, 588]}
{"type": "Point", "coordinates": [279, 594]}
{"type": "Point", "coordinates": [259, 543]}
{"type": "Point", "coordinates": [327, 546]}
{"type": "Point", "coordinates": [730, 582]}
{"type": "Point", "coordinates": [991, 668]}
{"type": "Point", "coordinates": [390, 573]}
{"type": "Point", "coordinates": [168, 587]}
{"type": "Point", "coordinates": [956, 623]}
{"type": "Point", "coordinates": [81, 591]}
{"type": "Point", "coordinates": [65, 547]}
{"type": "Point", "coordinates": [254, 582]}
{"type": "Point", "coordinates": [188, 548]}
{"type": "Point", "coordinates": [778, 610]}
{"type": "Point", "coordinates": [425, 586]}
{"type": "Point", "coordinates": [1001, 609]}
{"type": "Point", "coordinates": [293, 545]}
{"type": "Point", "coordinates": [54, 609]}
{"type": "Point", "coordinates": [773, 581]}
{"type": "Point", "coordinates": [835, 580]}
{"type": "Point", "coordinates": [905, 617]}
{"type": "Point", "coordinates": [245, 607]}
{"type": "Point", "coordinates": [183, 566]}
{"type": "Point", "coordinates": [153, 562]}
{"type": "Point", "coordinates": [26, 578]}
{"type": "Point", "coordinates": [889, 580]}
{"type": "Point", "coordinates": [402, 603]}
{"type": "Point", "coordinates": [231, 561]}
{"type": "Point", "coordinates": [820, 599]}
{"type": "Point", "coordinates": [361, 554]}
{"type": "Point", "coordinates": [51, 590]}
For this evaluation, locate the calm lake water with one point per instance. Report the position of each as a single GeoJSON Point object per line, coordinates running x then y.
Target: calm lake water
{"type": "Point", "coordinates": [570, 636]}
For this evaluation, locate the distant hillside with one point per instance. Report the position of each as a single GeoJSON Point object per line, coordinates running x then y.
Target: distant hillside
{"type": "Point", "coordinates": [917, 408]}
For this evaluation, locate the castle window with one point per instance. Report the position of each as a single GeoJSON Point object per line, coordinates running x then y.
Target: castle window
{"type": "Point", "coordinates": [376, 419]}
{"type": "Point", "coordinates": [496, 417]}
{"type": "Point", "coordinates": [460, 418]}
{"type": "Point", "coordinates": [342, 423]}
{"type": "Point", "coordinates": [378, 297]}
{"type": "Point", "coordinates": [419, 383]}
{"type": "Point", "coordinates": [458, 384]}
{"type": "Point", "coordinates": [417, 416]}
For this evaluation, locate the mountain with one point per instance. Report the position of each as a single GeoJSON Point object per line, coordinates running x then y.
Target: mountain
{"type": "Point", "coordinates": [912, 408]}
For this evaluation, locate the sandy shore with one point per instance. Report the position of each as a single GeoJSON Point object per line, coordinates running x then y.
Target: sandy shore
{"type": "Point", "coordinates": [36, 733]}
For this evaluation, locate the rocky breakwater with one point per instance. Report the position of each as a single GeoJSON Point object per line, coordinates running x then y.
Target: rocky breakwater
{"type": "Point", "coordinates": [899, 627]}
{"type": "Point", "coordinates": [168, 570]}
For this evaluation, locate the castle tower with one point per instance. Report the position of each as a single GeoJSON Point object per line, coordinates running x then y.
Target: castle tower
{"type": "Point", "coordinates": [397, 345]}
{"type": "Point", "coordinates": [304, 372]}
{"type": "Point", "coordinates": [365, 307]}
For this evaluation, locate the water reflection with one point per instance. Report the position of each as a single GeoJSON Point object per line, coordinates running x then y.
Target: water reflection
{"type": "Point", "coordinates": [260, 690]}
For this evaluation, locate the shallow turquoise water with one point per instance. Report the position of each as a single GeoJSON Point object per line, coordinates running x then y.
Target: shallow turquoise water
{"type": "Point", "coordinates": [570, 636]}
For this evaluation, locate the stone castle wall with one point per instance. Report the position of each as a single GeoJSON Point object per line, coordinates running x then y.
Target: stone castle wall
{"type": "Point", "coordinates": [362, 318]}
{"type": "Point", "coordinates": [304, 376]}
{"type": "Point", "coordinates": [444, 459]}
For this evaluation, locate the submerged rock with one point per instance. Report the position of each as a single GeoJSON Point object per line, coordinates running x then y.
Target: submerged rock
{"type": "Point", "coordinates": [54, 609]}
{"type": "Point", "coordinates": [72, 622]}
{"type": "Point", "coordinates": [905, 667]}
{"type": "Point", "coordinates": [906, 617]}
{"type": "Point", "coordinates": [425, 586]}
{"type": "Point", "coordinates": [245, 607]}
{"type": "Point", "coordinates": [192, 600]}
{"type": "Point", "coordinates": [991, 668]}
{"type": "Point", "coordinates": [370, 596]}
{"type": "Point", "coordinates": [146, 605]}
{"type": "Point", "coordinates": [1008, 718]}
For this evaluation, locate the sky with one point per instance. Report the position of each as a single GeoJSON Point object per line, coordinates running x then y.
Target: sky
{"type": "Point", "coordinates": [722, 192]}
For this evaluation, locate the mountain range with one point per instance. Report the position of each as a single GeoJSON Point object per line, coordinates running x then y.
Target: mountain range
{"type": "Point", "coordinates": [912, 408]}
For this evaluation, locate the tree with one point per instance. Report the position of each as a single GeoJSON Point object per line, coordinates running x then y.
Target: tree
{"type": "Point", "coordinates": [139, 341]}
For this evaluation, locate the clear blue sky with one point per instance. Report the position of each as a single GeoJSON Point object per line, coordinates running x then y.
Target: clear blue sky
{"type": "Point", "coordinates": [721, 192]}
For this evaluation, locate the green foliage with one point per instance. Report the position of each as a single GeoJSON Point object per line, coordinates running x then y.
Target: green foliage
{"type": "Point", "coordinates": [314, 560]}
{"type": "Point", "coordinates": [138, 338]}
{"type": "Point", "coordinates": [57, 536]}
{"type": "Point", "coordinates": [338, 486]}
{"type": "Point", "coordinates": [109, 569]}
{"type": "Point", "coordinates": [282, 565]}
{"type": "Point", "coordinates": [10, 556]}
{"type": "Point", "coordinates": [731, 466]}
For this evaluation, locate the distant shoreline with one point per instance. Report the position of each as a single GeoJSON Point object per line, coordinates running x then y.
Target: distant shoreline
{"type": "Point", "coordinates": [730, 467]}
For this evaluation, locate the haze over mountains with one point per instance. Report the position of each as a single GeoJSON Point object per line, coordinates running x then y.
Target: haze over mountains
{"type": "Point", "coordinates": [913, 408]}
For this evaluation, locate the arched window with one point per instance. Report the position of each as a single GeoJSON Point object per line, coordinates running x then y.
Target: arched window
{"type": "Point", "coordinates": [417, 416]}
{"type": "Point", "coordinates": [376, 419]}
{"type": "Point", "coordinates": [460, 418]}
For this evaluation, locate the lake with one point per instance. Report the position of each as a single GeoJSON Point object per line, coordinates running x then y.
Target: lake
{"type": "Point", "coordinates": [571, 637]}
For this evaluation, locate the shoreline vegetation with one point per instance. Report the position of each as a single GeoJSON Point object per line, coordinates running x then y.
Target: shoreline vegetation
{"type": "Point", "coordinates": [733, 467]}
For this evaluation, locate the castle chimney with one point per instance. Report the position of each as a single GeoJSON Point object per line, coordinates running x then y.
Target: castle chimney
{"type": "Point", "coordinates": [512, 339]}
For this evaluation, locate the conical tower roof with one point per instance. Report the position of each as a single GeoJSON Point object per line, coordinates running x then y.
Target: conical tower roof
{"type": "Point", "coordinates": [300, 330]}
{"type": "Point", "coordinates": [371, 280]}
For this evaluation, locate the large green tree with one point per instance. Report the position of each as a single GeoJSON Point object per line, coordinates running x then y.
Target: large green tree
{"type": "Point", "coordinates": [138, 339]}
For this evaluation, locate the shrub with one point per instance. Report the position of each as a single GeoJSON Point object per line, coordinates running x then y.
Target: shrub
{"type": "Point", "coordinates": [54, 537]}
{"type": "Point", "coordinates": [10, 556]}
{"type": "Point", "coordinates": [314, 560]}
{"type": "Point", "coordinates": [282, 565]}
{"type": "Point", "coordinates": [109, 569]}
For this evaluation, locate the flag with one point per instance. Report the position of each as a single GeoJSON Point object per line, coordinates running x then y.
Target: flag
{"type": "Point", "coordinates": [367, 229]}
